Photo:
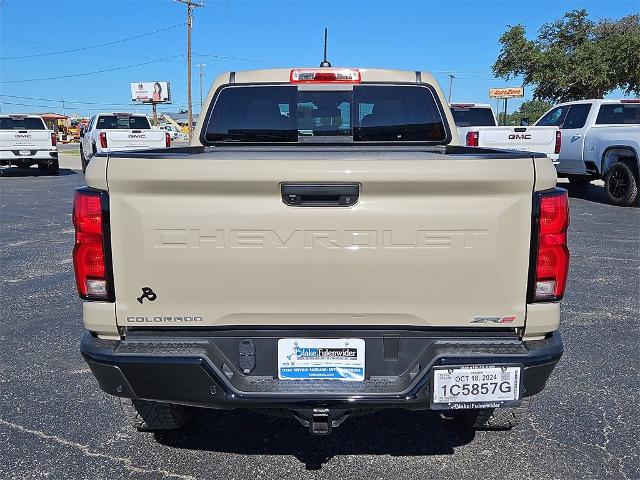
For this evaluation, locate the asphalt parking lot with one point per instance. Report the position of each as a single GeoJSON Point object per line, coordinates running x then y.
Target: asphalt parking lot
{"type": "Point", "coordinates": [56, 423]}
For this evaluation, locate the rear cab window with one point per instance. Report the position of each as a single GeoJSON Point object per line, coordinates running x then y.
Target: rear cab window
{"type": "Point", "coordinates": [325, 114]}
{"type": "Point", "coordinates": [123, 122]}
{"type": "Point", "coordinates": [21, 123]}
{"type": "Point", "coordinates": [576, 116]}
{"type": "Point", "coordinates": [619, 114]}
{"type": "Point", "coordinates": [473, 116]}
{"type": "Point", "coordinates": [554, 118]}
{"type": "Point", "coordinates": [566, 116]}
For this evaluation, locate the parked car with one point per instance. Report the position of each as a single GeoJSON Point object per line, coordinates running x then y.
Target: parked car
{"type": "Point", "coordinates": [477, 128]}
{"type": "Point", "coordinates": [336, 252]}
{"type": "Point", "coordinates": [25, 140]}
{"type": "Point", "coordinates": [600, 140]}
{"type": "Point", "coordinates": [115, 132]}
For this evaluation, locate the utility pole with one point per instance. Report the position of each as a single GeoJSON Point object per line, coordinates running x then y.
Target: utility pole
{"type": "Point", "coordinates": [505, 111]}
{"type": "Point", "coordinates": [190, 6]}
{"type": "Point", "coordinates": [201, 74]}
{"type": "Point", "coordinates": [62, 96]}
{"type": "Point", "coordinates": [451, 77]}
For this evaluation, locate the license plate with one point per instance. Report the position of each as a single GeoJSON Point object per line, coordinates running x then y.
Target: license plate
{"type": "Point", "coordinates": [321, 359]}
{"type": "Point", "coordinates": [24, 152]}
{"type": "Point", "coordinates": [476, 386]}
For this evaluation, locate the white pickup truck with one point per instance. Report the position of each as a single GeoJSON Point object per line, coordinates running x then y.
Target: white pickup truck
{"type": "Point", "coordinates": [469, 116]}
{"type": "Point", "coordinates": [116, 132]}
{"type": "Point", "coordinates": [25, 141]}
{"type": "Point", "coordinates": [600, 140]}
{"type": "Point", "coordinates": [476, 126]}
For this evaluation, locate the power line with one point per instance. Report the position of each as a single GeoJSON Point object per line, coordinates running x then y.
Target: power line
{"type": "Point", "coordinates": [115, 42]}
{"type": "Point", "coordinates": [80, 102]}
{"type": "Point", "coordinates": [66, 101]}
{"type": "Point", "coordinates": [84, 74]}
{"type": "Point", "coordinates": [240, 59]}
{"type": "Point", "coordinates": [94, 109]}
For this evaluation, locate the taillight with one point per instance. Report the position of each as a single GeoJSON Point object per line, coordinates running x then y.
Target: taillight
{"type": "Point", "coordinates": [103, 139]}
{"type": "Point", "coordinates": [550, 262]}
{"type": "Point", "coordinates": [90, 260]}
{"type": "Point", "coordinates": [472, 139]}
{"type": "Point", "coordinates": [558, 142]}
{"type": "Point", "coordinates": [325, 75]}
{"type": "Point", "coordinates": [167, 140]}
{"type": "Point", "coordinates": [54, 139]}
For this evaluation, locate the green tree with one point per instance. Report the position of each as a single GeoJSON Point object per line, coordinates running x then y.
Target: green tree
{"type": "Point", "coordinates": [531, 109]}
{"type": "Point", "coordinates": [574, 58]}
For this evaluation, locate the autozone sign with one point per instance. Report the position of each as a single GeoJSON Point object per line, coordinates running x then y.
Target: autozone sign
{"type": "Point", "coordinates": [508, 92]}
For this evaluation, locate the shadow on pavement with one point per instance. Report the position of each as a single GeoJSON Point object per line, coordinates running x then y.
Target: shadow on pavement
{"type": "Point", "coordinates": [590, 192]}
{"type": "Point", "coordinates": [33, 172]}
{"type": "Point", "coordinates": [391, 432]}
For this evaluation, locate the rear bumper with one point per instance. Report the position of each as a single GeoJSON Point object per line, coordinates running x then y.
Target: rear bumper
{"type": "Point", "coordinates": [15, 157]}
{"type": "Point", "coordinates": [202, 368]}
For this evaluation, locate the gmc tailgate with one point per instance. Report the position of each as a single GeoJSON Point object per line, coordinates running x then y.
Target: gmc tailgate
{"type": "Point", "coordinates": [432, 239]}
{"type": "Point", "coordinates": [135, 139]}
{"type": "Point", "coordinates": [530, 139]}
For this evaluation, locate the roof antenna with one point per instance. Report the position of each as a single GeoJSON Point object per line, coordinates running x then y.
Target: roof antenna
{"type": "Point", "coordinates": [325, 62]}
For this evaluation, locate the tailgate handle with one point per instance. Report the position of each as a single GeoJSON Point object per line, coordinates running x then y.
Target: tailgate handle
{"type": "Point", "coordinates": [320, 195]}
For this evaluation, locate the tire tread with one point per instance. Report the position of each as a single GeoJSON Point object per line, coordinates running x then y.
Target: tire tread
{"type": "Point", "coordinates": [146, 415]}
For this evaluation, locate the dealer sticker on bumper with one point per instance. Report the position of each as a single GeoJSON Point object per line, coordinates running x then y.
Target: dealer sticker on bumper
{"type": "Point", "coordinates": [321, 359]}
{"type": "Point", "coordinates": [476, 386]}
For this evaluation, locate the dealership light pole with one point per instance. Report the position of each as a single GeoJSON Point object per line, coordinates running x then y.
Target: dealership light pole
{"type": "Point", "coordinates": [201, 74]}
{"type": "Point", "coordinates": [451, 77]}
{"type": "Point", "coordinates": [190, 6]}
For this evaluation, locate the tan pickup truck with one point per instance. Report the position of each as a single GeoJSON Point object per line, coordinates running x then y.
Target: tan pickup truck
{"type": "Point", "coordinates": [325, 247]}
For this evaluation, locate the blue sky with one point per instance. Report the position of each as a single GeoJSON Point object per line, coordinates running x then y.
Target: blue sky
{"type": "Point", "coordinates": [438, 36]}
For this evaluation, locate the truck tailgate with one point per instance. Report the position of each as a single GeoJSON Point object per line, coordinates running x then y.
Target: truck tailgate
{"type": "Point", "coordinates": [27, 140]}
{"type": "Point", "coordinates": [132, 139]}
{"type": "Point", "coordinates": [434, 240]}
{"type": "Point", "coordinates": [530, 139]}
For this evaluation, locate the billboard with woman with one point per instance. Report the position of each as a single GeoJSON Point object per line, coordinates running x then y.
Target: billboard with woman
{"type": "Point", "coordinates": [151, 92]}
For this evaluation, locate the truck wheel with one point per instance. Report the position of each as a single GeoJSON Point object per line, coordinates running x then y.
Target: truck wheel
{"type": "Point", "coordinates": [579, 180]}
{"type": "Point", "coordinates": [83, 160]}
{"type": "Point", "coordinates": [495, 418]}
{"type": "Point", "coordinates": [146, 415]}
{"type": "Point", "coordinates": [621, 184]}
{"type": "Point", "coordinates": [53, 168]}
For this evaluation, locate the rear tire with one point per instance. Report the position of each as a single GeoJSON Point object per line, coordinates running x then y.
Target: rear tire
{"type": "Point", "coordinates": [146, 415]}
{"type": "Point", "coordinates": [495, 418]}
{"type": "Point", "coordinates": [53, 168]}
{"type": "Point", "coordinates": [83, 160]}
{"type": "Point", "coordinates": [621, 185]}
